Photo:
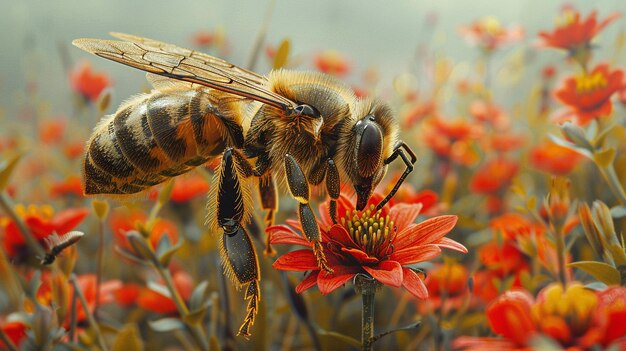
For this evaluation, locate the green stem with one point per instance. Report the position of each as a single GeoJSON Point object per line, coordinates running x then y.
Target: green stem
{"type": "Point", "coordinates": [197, 332]}
{"type": "Point", "coordinates": [99, 264]}
{"type": "Point", "coordinates": [367, 286]}
{"type": "Point", "coordinates": [560, 252]}
{"type": "Point", "coordinates": [32, 243]}
{"type": "Point", "coordinates": [90, 318]}
{"type": "Point", "coordinates": [611, 178]}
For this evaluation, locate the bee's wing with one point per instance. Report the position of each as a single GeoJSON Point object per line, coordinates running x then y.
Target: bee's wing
{"type": "Point", "coordinates": [187, 65]}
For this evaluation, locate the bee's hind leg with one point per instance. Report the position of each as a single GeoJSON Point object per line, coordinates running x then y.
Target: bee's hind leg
{"type": "Point", "coordinates": [299, 188]}
{"type": "Point", "coordinates": [239, 256]}
{"type": "Point", "coordinates": [269, 202]}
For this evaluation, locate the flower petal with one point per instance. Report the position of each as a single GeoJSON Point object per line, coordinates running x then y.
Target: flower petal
{"type": "Point", "coordinates": [359, 255]}
{"type": "Point", "coordinates": [308, 282]}
{"type": "Point", "coordinates": [69, 219]}
{"type": "Point", "coordinates": [299, 260]}
{"type": "Point", "coordinates": [416, 254]}
{"type": "Point", "coordinates": [414, 284]}
{"type": "Point", "coordinates": [450, 244]}
{"type": "Point", "coordinates": [282, 234]}
{"type": "Point", "coordinates": [329, 282]}
{"type": "Point", "coordinates": [425, 232]}
{"type": "Point", "coordinates": [404, 214]}
{"type": "Point", "coordinates": [339, 234]}
{"type": "Point", "coordinates": [387, 272]}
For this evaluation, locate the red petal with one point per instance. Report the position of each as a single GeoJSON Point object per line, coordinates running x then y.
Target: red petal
{"type": "Point", "coordinates": [359, 255]}
{"type": "Point", "coordinates": [307, 282]}
{"type": "Point", "coordinates": [450, 244]}
{"type": "Point", "coordinates": [295, 224]}
{"type": "Point", "coordinates": [425, 232]}
{"type": "Point", "coordinates": [339, 234]}
{"type": "Point", "coordinates": [387, 272]}
{"type": "Point", "coordinates": [299, 260]}
{"type": "Point", "coordinates": [40, 228]}
{"type": "Point", "coordinates": [69, 219]}
{"type": "Point", "coordinates": [416, 254]}
{"type": "Point", "coordinates": [327, 283]}
{"type": "Point", "coordinates": [414, 284]}
{"type": "Point", "coordinates": [404, 214]}
{"type": "Point", "coordinates": [282, 234]}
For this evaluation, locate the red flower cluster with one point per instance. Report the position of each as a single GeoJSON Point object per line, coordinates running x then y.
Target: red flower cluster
{"type": "Point", "coordinates": [88, 83]}
{"type": "Point", "coordinates": [380, 244]}
{"type": "Point", "coordinates": [574, 33]}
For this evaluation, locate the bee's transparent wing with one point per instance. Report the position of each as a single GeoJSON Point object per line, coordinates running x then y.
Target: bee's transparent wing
{"type": "Point", "coordinates": [187, 65]}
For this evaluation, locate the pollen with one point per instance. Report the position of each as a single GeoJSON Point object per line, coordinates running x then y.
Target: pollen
{"type": "Point", "coordinates": [370, 230]}
{"type": "Point", "coordinates": [589, 82]}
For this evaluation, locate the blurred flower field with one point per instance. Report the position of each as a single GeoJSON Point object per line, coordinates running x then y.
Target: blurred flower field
{"type": "Point", "coordinates": [508, 235]}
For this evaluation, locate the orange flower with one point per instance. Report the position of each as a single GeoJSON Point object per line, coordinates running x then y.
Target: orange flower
{"type": "Point", "coordinates": [88, 83]}
{"type": "Point", "coordinates": [503, 259]}
{"type": "Point", "coordinates": [504, 142]}
{"type": "Point", "coordinates": [553, 158]}
{"type": "Point", "coordinates": [447, 286]}
{"type": "Point", "coordinates": [125, 220]}
{"type": "Point", "coordinates": [489, 34]}
{"type": "Point", "coordinates": [452, 139]}
{"type": "Point", "coordinates": [72, 186]}
{"type": "Point", "coordinates": [493, 175]}
{"type": "Point", "coordinates": [15, 330]}
{"type": "Point", "coordinates": [589, 94]}
{"type": "Point", "coordinates": [332, 62]}
{"type": "Point", "coordinates": [573, 34]}
{"type": "Point", "coordinates": [358, 246]}
{"type": "Point", "coordinates": [489, 113]}
{"type": "Point", "coordinates": [417, 112]}
{"type": "Point", "coordinates": [155, 301]}
{"type": "Point", "coordinates": [74, 149]}
{"type": "Point", "coordinates": [187, 187]}
{"type": "Point", "coordinates": [513, 226]}
{"type": "Point", "coordinates": [215, 38]}
{"type": "Point", "coordinates": [51, 130]}
{"type": "Point", "coordinates": [42, 222]}
{"type": "Point", "coordinates": [575, 318]}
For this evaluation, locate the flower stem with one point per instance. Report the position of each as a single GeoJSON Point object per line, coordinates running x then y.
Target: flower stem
{"type": "Point", "coordinates": [560, 254]}
{"type": "Point", "coordinates": [99, 264]}
{"type": "Point", "coordinates": [614, 184]}
{"type": "Point", "coordinates": [90, 318]}
{"type": "Point", "coordinates": [367, 286]}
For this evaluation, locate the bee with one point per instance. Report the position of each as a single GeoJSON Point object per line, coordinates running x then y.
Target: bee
{"type": "Point", "coordinates": [56, 244]}
{"type": "Point", "coordinates": [297, 129]}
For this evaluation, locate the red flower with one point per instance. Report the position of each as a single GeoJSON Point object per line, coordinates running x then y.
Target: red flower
{"type": "Point", "coordinates": [87, 83]}
{"type": "Point", "coordinates": [357, 246]}
{"type": "Point", "coordinates": [72, 186]}
{"type": "Point", "coordinates": [187, 187]}
{"type": "Point", "coordinates": [16, 331]}
{"type": "Point", "coordinates": [573, 33]}
{"type": "Point", "coordinates": [553, 158]}
{"type": "Point", "coordinates": [576, 319]}
{"type": "Point", "coordinates": [452, 139]}
{"type": "Point", "coordinates": [418, 112]}
{"type": "Point", "coordinates": [493, 175]}
{"type": "Point", "coordinates": [486, 112]}
{"type": "Point", "coordinates": [74, 149]}
{"type": "Point", "coordinates": [489, 34]}
{"type": "Point", "coordinates": [124, 221]}
{"type": "Point", "coordinates": [51, 130]}
{"type": "Point", "coordinates": [42, 223]}
{"type": "Point", "coordinates": [332, 62]}
{"type": "Point", "coordinates": [158, 302]}
{"type": "Point", "coordinates": [589, 94]}
{"type": "Point", "coordinates": [447, 286]}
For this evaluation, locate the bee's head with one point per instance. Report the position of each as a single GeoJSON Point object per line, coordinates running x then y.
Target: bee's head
{"type": "Point", "coordinates": [368, 158]}
{"type": "Point", "coordinates": [367, 146]}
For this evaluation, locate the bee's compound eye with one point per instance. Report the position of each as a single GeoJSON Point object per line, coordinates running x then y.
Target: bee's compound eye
{"type": "Point", "coordinates": [307, 110]}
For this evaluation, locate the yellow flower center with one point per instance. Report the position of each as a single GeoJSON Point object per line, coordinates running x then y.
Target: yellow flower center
{"type": "Point", "coordinates": [589, 82]}
{"type": "Point", "coordinates": [574, 305]}
{"type": "Point", "coordinates": [371, 231]}
{"type": "Point", "coordinates": [567, 18]}
{"type": "Point", "coordinates": [491, 25]}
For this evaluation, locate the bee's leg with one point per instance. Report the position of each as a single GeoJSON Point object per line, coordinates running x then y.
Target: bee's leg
{"type": "Point", "coordinates": [299, 188]}
{"type": "Point", "coordinates": [269, 202]}
{"type": "Point", "coordinates": [333, 188]}
{"type": "Point", "coordinates": [399, 150]}
{"type": "Point", "coordinates": [236, 248]}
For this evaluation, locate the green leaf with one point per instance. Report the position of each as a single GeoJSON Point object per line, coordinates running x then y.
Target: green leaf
{"type": "Point", "coordinates": [167, 325]}
{"type": "Point", "coordinates": [6, 170]}
{"type": "Point", "coordinates": [605, 157]}
{"type": "Point", "coordinates": [167, 255]}
{"type": "Point", "coordinates": [195, 317]}
{"type": "Point", "coordinates": [129, 256]}
{"type": "Point", "coordinates": [618, 212]}
{"type": "Point", "coordinates": [140, 245]}
{"type": "Point", "coordinates": [198, 296]}
{"type": "Point", "coordinates": [128, 339]}
{"type": "Point", "coordinates": [282, 54]}
{"type": "Point", "coordinates": [570, 146]}
{"type": "Point", "coordinates": [577, 135]}
{"type": "Point", "coordinates": [599, 270]}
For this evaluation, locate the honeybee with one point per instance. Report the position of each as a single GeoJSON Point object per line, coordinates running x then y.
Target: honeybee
{"type": "Point", "coordinates": [302, 128]}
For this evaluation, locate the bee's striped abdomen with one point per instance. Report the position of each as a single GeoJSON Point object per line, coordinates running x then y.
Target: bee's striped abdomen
{"type": "Point", "coordinates": [155, 137]}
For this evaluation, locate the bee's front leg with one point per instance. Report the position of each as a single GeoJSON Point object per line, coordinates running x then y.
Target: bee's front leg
{"type": "Point", "coordinates": [399, 150]}
{"type": "Point", "coordinates": [236, 248]}
{"type": "Point", "coordinates": [299, 188]}
{"type": "Point", "coordinates": [333, 188]}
